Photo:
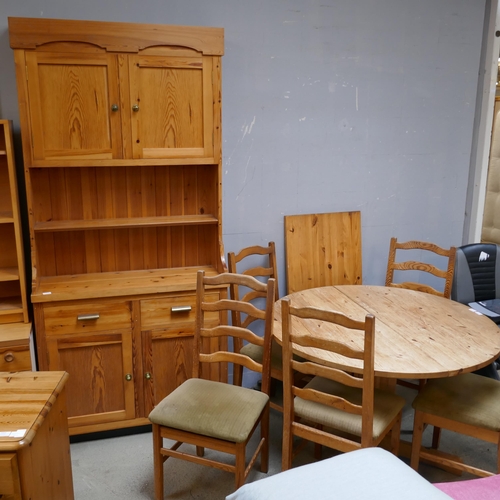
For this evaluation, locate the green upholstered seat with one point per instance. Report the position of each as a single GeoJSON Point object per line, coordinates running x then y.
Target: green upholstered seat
{"type": "Point", "coordinates": [386, 407]}
{"type": "Point", "coordinates": [467, 398]}
{"type": "Point", "coordinates": [210, 408]}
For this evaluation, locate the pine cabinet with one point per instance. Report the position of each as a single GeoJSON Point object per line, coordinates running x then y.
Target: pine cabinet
{"type": "Point", "coordinates": [156, 104]}
{"type": "Point", "coordinates": [13, 297]}
{"type": "Point", "coordinates": [121, 132]}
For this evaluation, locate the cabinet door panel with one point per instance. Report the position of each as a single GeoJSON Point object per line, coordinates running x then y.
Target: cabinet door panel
{"type": "Point", "coordinates": [168, 362]}
{"type": "Point", "coordinates": [71, 98]}
{"type": "Point", "coordinates": [100, 386]}
{"type": "Point", "coordinates": [173, 102]}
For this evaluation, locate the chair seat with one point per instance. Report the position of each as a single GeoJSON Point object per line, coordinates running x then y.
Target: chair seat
{"type": "Point", "coordinates": [386, 407]}
{"type": "Point", "coordinates": [210, 408]}
{"type": "Point", "coordinates": [466, 398]}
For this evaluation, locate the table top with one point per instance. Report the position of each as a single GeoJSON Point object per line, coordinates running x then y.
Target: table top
{"type": "Point", "coordinates": [417, 335]}
{"type": "Point", "coordinates": [25, 399]}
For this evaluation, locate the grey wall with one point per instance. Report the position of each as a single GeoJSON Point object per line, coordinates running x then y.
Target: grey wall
{"type": "Point", "coordinates": [328, 105]}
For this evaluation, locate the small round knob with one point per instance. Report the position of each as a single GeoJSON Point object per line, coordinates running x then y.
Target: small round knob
{"type": "Point", "coordinates": [148, 376]}
{"type": "Point", "coordinates": [135, 108]}
{"type": "Point", "coordinates": [128, 377]}
{"type": "Point", "coordinates": [9, 357]}
{"type": "Point", "coordinates": [114, 107]}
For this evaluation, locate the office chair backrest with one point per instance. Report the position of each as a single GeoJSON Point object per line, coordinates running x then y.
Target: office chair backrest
{"type": "Point", "coordinates": [477, 272]}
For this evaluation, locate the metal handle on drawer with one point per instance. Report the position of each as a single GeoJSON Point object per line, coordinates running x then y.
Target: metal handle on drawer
{"type": "Point", "coordinates": [9, 357]}
{"type": "Point", "coordinates": [88, 317]}
{"type": "Point", "coordinates": [181, 309]}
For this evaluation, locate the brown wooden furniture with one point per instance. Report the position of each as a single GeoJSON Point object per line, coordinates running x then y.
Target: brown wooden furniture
{"type": "Point", "coordinates": [468, 404]}
{"type": "Point", "coordinates": [322, 250]}
{"type": "Point", "coordinates": [419, 335]}
{"type": "Point", "coordinates": [121, 129]}
{"type": "Point", "coordinates": [16, 352]}
{"type": "Point", "coordinates": [334, 399]}
{"type": "Point", "coordinates": [212, 414]}
{"type": "Point", "coordinates": [13, 297]}
{"type": "Point", "coordinates": [15, 329]}
{"type": "Point", "coordinates": [259, 262]}
{"type": "Point", "coordinates": [35, 459]}
{"type": "Point", "coordinates": [444, 272]}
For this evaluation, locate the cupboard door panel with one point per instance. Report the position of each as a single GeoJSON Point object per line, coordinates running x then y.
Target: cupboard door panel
{"type": "Point", "coordinates": [172, 106]}
{"type": "Point", "coordinates": [71, 98]}
{"type": "Point", "coordinates": [168, 362]}
{"type": "Point", "coordinates": [100, 376]}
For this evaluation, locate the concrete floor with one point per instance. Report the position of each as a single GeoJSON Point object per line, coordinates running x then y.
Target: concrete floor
{"type": "Point", "coordinates": [121, 468]}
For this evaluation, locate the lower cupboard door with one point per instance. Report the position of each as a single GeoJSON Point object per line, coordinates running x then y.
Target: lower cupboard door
{"type": "Point", "coordinates": [100, 388]}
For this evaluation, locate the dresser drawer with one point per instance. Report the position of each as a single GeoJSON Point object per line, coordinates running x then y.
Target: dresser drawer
{"type": "Point", "coordinates": [87, 317]}
{"type": "Point", "coordinates": [15, 359]}
{"type": "Point", "coordinates": [173, 311]}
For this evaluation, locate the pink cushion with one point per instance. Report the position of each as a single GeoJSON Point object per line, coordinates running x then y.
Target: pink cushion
{"type": "Point", "coordinates": [484, 488]}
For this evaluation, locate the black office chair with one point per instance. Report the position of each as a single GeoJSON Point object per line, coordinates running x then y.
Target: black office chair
{"type": "Point", "coordinates": [477, 272]}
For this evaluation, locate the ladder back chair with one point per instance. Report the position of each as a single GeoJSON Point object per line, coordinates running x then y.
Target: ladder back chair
{"type": "Point", "coordinates": [359, 415]}
{"type": "Point", "coordinates": [260, 263]}
{"type": "Point", "coordinates": [468, 404]}
{"type": "Point", "coordinates": [445, 273]}
{"type": "Point", "coordinates": [212, 414]}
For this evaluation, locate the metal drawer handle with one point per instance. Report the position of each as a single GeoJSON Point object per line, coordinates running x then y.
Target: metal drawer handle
{"type": "Point", "coordinates": [181, 309]}
{"type": "Point", "coordinates": [9, 357]}
{"type": "Point", "coordinates": [88, 317]}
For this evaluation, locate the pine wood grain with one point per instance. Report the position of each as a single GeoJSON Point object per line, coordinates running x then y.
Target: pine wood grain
{"type": "Point", "coordinates": [417, 335]}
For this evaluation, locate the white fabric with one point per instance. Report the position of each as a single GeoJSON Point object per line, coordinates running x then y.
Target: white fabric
{"type": "Point", "coordinates": [369, 473]}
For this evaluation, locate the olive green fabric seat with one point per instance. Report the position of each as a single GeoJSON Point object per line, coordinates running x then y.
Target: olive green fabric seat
{"type": "Point", "coordinates": [467, 398]}
{"type": "Point", "coordinates": [468, 404]}
{"type": "Point", "coordinates": [213, 409]}
{"type": "Point", "coordinates": [385, 408]}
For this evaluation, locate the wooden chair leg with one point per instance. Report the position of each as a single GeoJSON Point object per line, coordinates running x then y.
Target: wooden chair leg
{"type": "Point", "coordinates": [436, 436]}
{"type": "Point", "coordinates": [158, 462]}
{"type": "Point", "coordinates": [498, 455]}
{"type": "Point", "coordinates": [287, 445]}
{"type": "Point", "coordinates": [264, 433]}
{"type": "Point", "coordinates": [200, 451]}
{"type": "Point", "coordinates": [418, 429]}
{"type": "Point", "coordinates": [240, 465]}
{"type": "Point", "coordinates": [395, 436]}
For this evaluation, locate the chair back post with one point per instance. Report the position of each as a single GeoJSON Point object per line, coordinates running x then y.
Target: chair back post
{"type": "Point", "coordinates": [287, 368]}
{"type": "Point", "coordinates": [199, 322]}
{"type": "Point", "coordinates": [368, 381]}
{"type": "Point", "coordinates": [268, 336]}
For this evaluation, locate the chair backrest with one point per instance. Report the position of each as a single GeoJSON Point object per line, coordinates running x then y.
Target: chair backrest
{"type": "Point", "coordinates": [207, 330]}
{"type": "Point", "coordinates": [445, 272]}
{"type": "Point", "coordinates": [258, 262]}
{"type": "Point", "coordinates": [477, 272]}
{"type": "Point", "coordinates": [323, 250]}
{"type": "Point", "coordinates": [355, 340]}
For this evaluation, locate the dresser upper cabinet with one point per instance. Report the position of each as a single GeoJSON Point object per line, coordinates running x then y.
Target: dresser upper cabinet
{"type": "Point", "coordinates": [115, 97]}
